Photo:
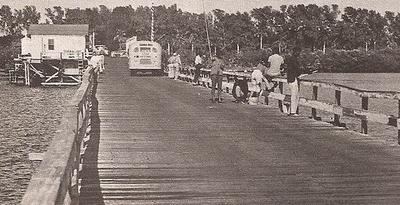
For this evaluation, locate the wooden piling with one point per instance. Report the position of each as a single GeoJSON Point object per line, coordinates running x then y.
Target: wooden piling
{"type": "Point", "coordinates": [314, 97]}
{"type": "Point", "coordinates": [338, 95]}
{"type": "Point", "coordinates": [364, 121]}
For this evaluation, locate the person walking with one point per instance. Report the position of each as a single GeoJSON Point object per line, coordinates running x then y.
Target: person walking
{"type": "Point", "coordinates": [198, 64]}
{"type": "Point", "coordinates": [217, 68]}
{"type": "Point", "coordinates": [174, 65]}
{"type": "Point", "coordinates": [177, 65]}
{"type": "Point", "coordinates": [293, 73]}
{"type": "Point", "coordinates": [170, 67]}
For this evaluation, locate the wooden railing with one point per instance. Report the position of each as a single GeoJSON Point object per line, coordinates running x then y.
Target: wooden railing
{"type": "Point", "coordinates": [56, 180]}
{"type": "Point", "coordinates": [363, 114]}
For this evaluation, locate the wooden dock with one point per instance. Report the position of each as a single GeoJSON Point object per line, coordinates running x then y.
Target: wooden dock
{"type": "Point", "coordinates": [159, 141]}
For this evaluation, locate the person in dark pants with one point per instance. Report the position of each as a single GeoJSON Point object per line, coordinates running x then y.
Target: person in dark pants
{"type": "Point", "coordinates": [198, 64]}
{"type": "Point", "coordinates": [217, 68]}
{"type": "Point", "coordinates": [293, 73]}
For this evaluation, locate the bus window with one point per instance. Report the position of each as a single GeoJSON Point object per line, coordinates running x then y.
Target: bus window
{"type": "Point", "coordinates": [136, 50]}
{"type": "Point", "coordinates": [144, 49]}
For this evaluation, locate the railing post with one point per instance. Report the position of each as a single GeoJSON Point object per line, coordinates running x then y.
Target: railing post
{"type": "Point", "coordinates": [266, 100]}
{"type": "Point", "coordinates": [338, 95]}
{"type": "Point", "coordinates": [298, 95]}
{"type": "Point", "coordinates": [314, 97]}
{"type": "Point", "coordinates": [226, 88]}
{"type": "Point", "coordinates": [398, 123]}
{"type": "Point", "coordinates": [202, 76]}
{"type": "Point", "coordinates": [208, 77]}
{"type": "Point", "coordinates": [280, 102]}
{"type": "Point", "coordinates": [364, 122]}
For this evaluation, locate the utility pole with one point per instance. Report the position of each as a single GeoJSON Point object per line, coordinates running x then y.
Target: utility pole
{"type": "Point", "coordinates": [152, 22]}
{"type": "Point", "coordinates": [93, 40]}
{"type": "Point", "coordinates": [208, 35]}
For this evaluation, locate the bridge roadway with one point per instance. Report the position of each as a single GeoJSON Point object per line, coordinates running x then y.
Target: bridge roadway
{"type": "Point", "coordinates": [160, 141]}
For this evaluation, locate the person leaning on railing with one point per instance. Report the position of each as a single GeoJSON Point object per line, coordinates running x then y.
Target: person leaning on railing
{"type": "Point", "coordinates": [217, 68]}
{"type": "Point", "coordinates": [293, 73]}
{"type": "Point", "coordinates": [274, 67]}
{"type": "Point", "coordinates": [259, 83]}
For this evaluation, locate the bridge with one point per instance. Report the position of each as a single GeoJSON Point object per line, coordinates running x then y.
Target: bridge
{"type": "Point", "coordinates": [153, 140]}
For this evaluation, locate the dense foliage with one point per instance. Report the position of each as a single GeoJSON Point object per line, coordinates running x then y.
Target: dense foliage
{"type": "Point", "coordinates": [355, 39]}
{"type": "Point", "coordinates": [9, 48]}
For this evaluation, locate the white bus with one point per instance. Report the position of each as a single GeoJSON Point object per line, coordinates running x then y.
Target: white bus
{"type": "Point", "coordinates": [144, 56]}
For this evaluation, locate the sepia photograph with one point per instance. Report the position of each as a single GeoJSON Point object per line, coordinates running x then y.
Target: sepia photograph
{"type": "Point", "coordinates": [179, 102]}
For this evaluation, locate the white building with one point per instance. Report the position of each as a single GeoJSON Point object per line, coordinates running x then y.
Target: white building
{"type": "Point", "coordinates": [50, 41]}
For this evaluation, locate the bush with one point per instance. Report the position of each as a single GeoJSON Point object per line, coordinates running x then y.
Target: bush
{"type": "Point", "coordinates": [351, 61]}
{"type": "Point", "coordinates": [9, 49]}
{"type": "Point", "coordinates": [334, 61]}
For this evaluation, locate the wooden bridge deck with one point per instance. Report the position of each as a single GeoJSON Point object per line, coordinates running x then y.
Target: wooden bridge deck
{"type": "Point", "coordinates": [159, 141]}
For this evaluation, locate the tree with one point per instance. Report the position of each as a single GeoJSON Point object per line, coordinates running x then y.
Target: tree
{"type": "Point", "coordinates": [328, 29]}
{"type": "Point", "coordinates": [6, 19]}
{"type": "Point", "coordinates": [76, 16]}
{"type": "Point", "coordinates": [56, 15]}
{"type": "Point", "coordinates": [29, 16]}
{"type": "Point", "coordinates": [392, 29]}
{"type": "Point", "coordinates": [268, 23]}
{"type": "Point", "coordinates": [376, 23]}
{"type": "Point", "coordinates": [240, 31]}
{"type": "Point", "coordinates": [13, 22]}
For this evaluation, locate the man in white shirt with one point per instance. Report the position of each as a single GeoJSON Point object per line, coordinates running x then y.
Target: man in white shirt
{"type": "Point", "coordinates": [257, 78]}
{"type": "Point", "coordinates": [97, 61]}
{"type": "Point", "coordinates": [198, 64]}
{"type": "Point", "coordinates": [275, 62]}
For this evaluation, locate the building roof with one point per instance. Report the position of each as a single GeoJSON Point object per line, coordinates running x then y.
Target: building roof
{"type": "Point", "coordinates": [57, 29]}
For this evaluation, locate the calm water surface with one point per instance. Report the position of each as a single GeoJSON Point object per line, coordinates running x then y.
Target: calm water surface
{"type": "Point", "coordinates": [363, 81]}
{"type": "Point", "coordinates": [28, 119]}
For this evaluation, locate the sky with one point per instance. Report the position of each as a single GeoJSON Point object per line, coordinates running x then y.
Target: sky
{"type": "Point", "coordinates": [196, 6]}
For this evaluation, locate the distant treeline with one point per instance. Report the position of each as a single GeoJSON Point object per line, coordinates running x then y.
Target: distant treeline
{"type": "Point", "coordinates": [238, 34]}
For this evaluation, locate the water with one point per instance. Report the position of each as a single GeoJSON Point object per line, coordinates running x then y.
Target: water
{"type": "Point", "coordinates": [366, 81]}
{"type": "Point", "coordinates": [363, 81]}
{"type": "Point", "coordinates": [28, 119]}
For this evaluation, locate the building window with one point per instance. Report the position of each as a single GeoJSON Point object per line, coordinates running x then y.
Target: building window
{"type": "Point", "coordinates": [51, 44]}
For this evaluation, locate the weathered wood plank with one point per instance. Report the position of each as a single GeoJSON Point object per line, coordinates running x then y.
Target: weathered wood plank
{"type": "Point", "coordinates": [158, 141]}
